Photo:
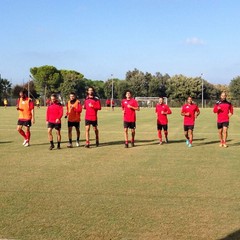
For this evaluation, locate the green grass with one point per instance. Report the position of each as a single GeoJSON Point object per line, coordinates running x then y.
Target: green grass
{"type": "Point", "coordinates": [146, 192]}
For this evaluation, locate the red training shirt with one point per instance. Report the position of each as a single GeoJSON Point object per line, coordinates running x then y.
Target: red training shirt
{"type": "Point", "coordinates": [192, 109]}
{"type": "Point", "coordinates": [129, 113]}
{"type": "Point", "coordinates": [225, 108]}
{"type": "Point", "coordinates": [162, 111]}
{"type": "Point", "coordinates": [91, 105]}
{"type": "Point", "coordinates": [54, 112]}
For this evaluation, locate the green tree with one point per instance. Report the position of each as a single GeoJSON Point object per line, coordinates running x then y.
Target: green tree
{"type": "Point", "coordinates": [72, 82]}
{"type": "Point", "coordinates": [47, 79]}
{"type": "Point", "coordinates": [5, 88]}
{"type": "Point", "coordinates": [108, 88]}
{"type": "Point", "coordinates": [234, 87]}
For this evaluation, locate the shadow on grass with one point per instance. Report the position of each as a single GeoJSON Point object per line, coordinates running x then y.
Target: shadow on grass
{"type": "Point", "coordinates": [232, 236]}
{"type": "Point", "coordinates": [6, 142]}
{"type": "Point", "coordinates": [103, 144]}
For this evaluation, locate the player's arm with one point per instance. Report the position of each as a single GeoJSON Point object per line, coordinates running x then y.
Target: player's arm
{"type": "Point", "coordinates": [230, 111]}
{"type": "Point", "coordinates": [66, 115]}
{"type": "Point", "coordinates": [183, 113]}
{"type": "Point", "coordinates": [197, 113]}
{"type": "Point", "coordinates": [168, 111]}
{"type": "Point", "coordinates": [216, 107]}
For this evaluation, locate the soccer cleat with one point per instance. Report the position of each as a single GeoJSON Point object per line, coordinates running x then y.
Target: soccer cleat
{"type": "Point", "coordinates": [51, 147]}
{"type": "Point", "coordinates": [77, 144]}
{"type": "Point", "coordinates": [87, 146]}
{"type": "Point", "coordinates": [70, 145]}
{"type": "Point", "coordinates": [97, 143]}
{"type": "Point", "coordinates": [58, 147]}
{"type": "Point", "coordinates": [225, 145]}
{"type": "Point", "coordinates": [132, 144]}
{"type": "Point", "coordinates": [24, 142]}
{"type": "Point", "coordinates": [187, 142]}
{"type": "Point", "coordinates": [160, 143]}
{"type": "Point", "coordinates": [126, 145]}
{"type": "Point", "coordinates": [166, 140]}
{"type": "Point", "coordinates": [190, 145]}
{"type": "Point", "coordinates": [220, 145]}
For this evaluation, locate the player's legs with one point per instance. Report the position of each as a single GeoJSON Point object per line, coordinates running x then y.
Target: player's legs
{"type": "Point", "coordinates": [126, 136]}
{"type": "Point", "coordinates": [69, 137]}
{"type": "Point", "coordinates": [224, 136]}
{"type": "Point", "coordinates": [190, 135]}
{"type": "Point", "coordinates": [20, 130]}
{"type": "Point", "coordinates": [58, 132]}
{"type": "Point", "coordinates": [220, 134]}
{"type": "Point", "coordinates": [165, 129]}
{"type": "Point", "coordinates": [133, 136]}
{"type": "Point", "coordinates": [95, 129]}
{"type": "Point", "coordinates": [78, 136]}
{"type": "Point", "coordinates": [28, 133]}
{"type": "Point", "coordinates": [50, 138]}
{"type": "Point", "coordinates": [87, 135]}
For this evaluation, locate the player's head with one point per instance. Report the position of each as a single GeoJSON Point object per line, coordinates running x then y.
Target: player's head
{"type": "Point", "coordinates": [72, 96]}
{"type": "Point", "coordinates": [189, 100]}
{"type": "Point", "coordinates": [223, 96]}
{"type": "Point", "coordinates": [91, 91]}
{"type": "Point", "coordinates": [23, 93]}
{"type": "Point", "coordinates": [161, 100]}
{"type": "Point", "coordinates": [128, 94]}
{"type": "Point", "coordinates": [53, 98]}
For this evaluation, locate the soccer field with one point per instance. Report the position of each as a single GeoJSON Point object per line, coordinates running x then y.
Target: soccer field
{"type": "Point", "coordinates": [150, 191]}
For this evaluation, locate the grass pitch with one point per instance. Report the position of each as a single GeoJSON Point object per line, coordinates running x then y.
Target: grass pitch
{"type": "Point", "coordinates": [146, 192]}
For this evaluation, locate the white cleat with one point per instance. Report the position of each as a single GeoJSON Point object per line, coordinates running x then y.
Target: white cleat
{"type": "Point", "coordinates": [26, 144]}
{"type": "Point", "coordinates": [77, 144]}
{"type": "Point", "coordinates": [25, 141]}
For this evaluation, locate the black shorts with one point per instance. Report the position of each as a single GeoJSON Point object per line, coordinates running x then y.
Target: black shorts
{"type": "Point", "coordinates": [27, 123]}
{"type": "Point", "coordinates": [188, 127]}
{"type": "Point", "coordinates": [57, 126]}
{"type": "Point", "coordinates": [108, 105]}
{"type": "Point", "coordinates": [131, 125]}
{"type": "Point", "coordinates": [74, 124]}
{"type": "Point", "coordinates": [89, 122]}
{"type": "Point", "coordinates": [223, 124]}
{"type": "Point", "coordinates": [160, 127]}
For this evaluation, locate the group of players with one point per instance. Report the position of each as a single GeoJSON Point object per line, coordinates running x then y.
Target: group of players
{"type": "Point", "coordinates": [92, 105]}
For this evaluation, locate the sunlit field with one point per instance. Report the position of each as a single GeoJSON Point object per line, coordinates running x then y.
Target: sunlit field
{"type": "Point", "coordinates": [108, 192]}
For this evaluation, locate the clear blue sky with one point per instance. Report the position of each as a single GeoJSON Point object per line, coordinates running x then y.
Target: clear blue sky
{"type": "Point", "coordinates": [103, 37]}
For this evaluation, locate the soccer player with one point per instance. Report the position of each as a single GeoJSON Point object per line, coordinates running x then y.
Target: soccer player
{"type": "Point", "coordinates": [53, 119]}
{"type": "Point", "coordinates": [74, 109]}
{"type": "Point", "coordinates": [190, 111]}
{"type": "Point", "coordinates": [92, 105]}
{"type": "Point", "coordinates": [108, 104]}
{"type": "Point", "coordinates": [162, 110]}
{"type": "Point", "coordinates": [129, 108]}
{"type": "Point", "coordinates": [5, 102]}
{"type": "Point", "coordinates": [224, 110]}
{"type": "Point", "coordinates": [25, 107]}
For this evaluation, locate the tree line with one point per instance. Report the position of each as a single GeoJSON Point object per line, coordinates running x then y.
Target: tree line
{"type": "Point", "coordinates": [48, 79]}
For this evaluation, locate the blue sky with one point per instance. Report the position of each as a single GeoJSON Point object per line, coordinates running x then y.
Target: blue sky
{"type": "Point", "coordinates": [103, 37]}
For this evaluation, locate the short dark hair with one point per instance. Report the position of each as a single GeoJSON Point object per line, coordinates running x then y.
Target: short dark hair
{"type": "Point", "coordinates": [72, 93]}
{"type": "Point", "coordinates": [54, 95]}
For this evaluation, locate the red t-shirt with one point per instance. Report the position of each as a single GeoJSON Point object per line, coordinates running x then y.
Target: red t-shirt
{"type": "Point", "coordinates": [54, 112]}
{"type": "Point", "coordinates": [91, 105]}
{"type": "Point", "coordinates": [222, 113]}
{"type": "Point", "coordinates": [192, 109]}
{"type": "Point", "coordinates": [129, 113]}
{"type": "Point", "coordinates": [162, 110]}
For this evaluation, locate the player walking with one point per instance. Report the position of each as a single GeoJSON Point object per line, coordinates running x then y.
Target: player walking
{"type": "Point", "coordinates": [92, 105]}
{"type": "Point", "coordinates": [74, 109]}
{"type": "Point", "coordinates": [162, 110]}
{"type": "Point", "coordinates": [190, 111]}
{"type": "Point", "coordinates": [129, 108]}
{"type": "Point", "coordinates": [53, 119]}
{"type": "Point", "coordinates": [224, 110]}
{"type": "Point", "coordinates": [25, 107]}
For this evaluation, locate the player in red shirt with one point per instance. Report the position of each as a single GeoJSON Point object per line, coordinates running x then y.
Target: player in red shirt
{"type": "Point", "coordinates": [224, 110]}
{"type": "Point", "coordinates": [74, 109]}
{"type": "Point", "coordinates": [25, 107]}
{"type": "Point", "coordinates": [190, 111]}
{"type": "Point", "coordinates": [129, 108]}
{"type": "Point", "coordinates": [53, 120]}
{"type": "Point", "coordinates": [92, 105]}
{"type": "Point", "coordinates": [162, 110]}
